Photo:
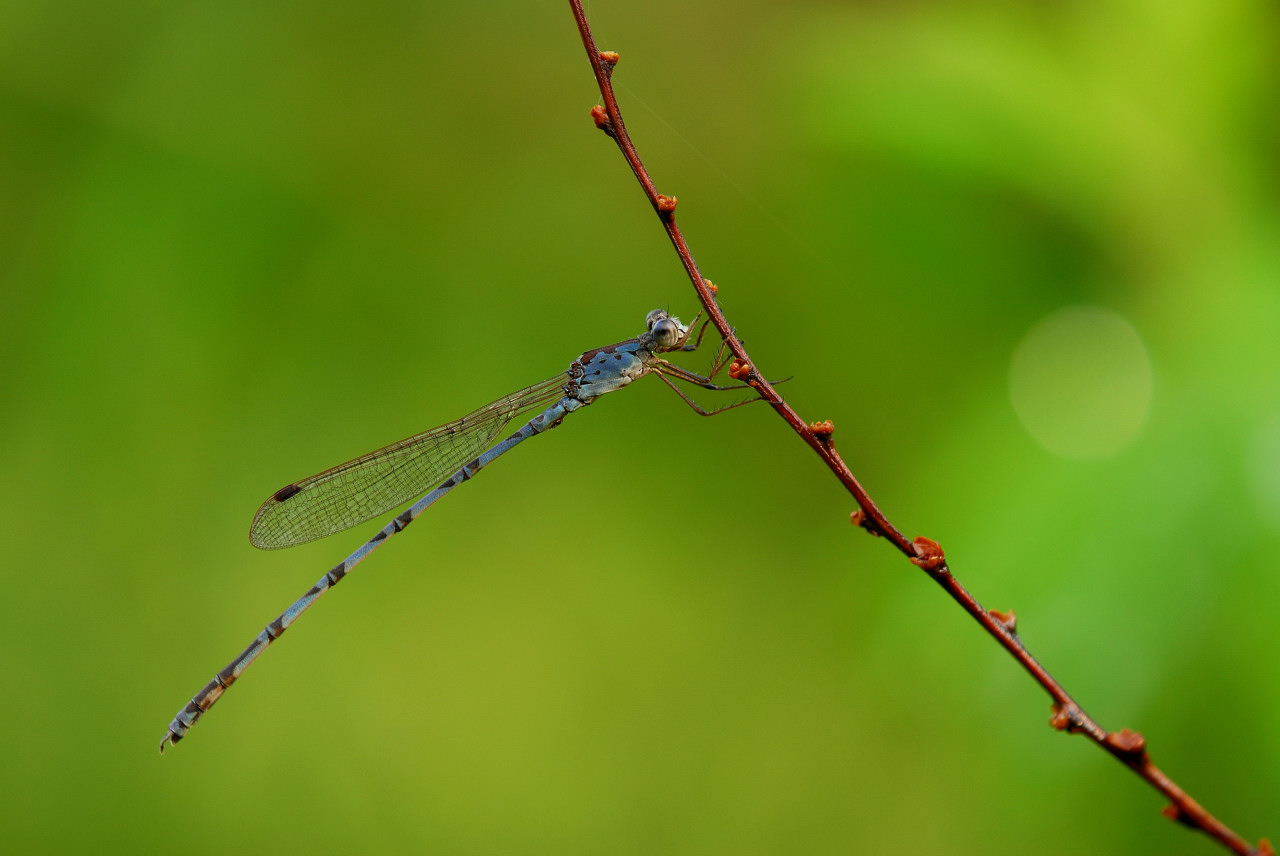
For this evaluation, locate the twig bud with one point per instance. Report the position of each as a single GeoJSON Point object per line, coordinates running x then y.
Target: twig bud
{"type": "Point", "coordinates": [601, 118]}
{"type": "Point", "coordinates": [1127, 742]}
{"type": "Point", "coordinates": [863, 520]}
{"type": "Point", "coordinates": [1065, 720]}
{"type": "Point", "coordinates": [1174, 812]}
{"type": "Point", "coordinates": [929, 555]}
{"type": "Point", "coordinates": [1008, 620]}
{"type": "Point", "coordinates": [822, 432]}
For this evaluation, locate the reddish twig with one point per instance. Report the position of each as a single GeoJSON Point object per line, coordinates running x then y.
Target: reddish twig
{"type": "Point", "coordinates": [1126, 746]}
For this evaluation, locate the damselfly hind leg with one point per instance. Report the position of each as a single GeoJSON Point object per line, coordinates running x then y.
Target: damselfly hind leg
{"type": "Point", "coordinates": [697, 408]}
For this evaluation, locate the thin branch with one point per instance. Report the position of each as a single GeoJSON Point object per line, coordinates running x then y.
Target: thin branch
{"type": "Point", "coordinates": [1126, 746]}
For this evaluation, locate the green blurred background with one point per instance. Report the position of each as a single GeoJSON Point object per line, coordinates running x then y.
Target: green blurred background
{"type": "Point", "coordinates": [242, 242]}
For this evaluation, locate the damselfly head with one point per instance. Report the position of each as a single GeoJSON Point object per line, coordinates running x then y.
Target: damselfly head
{"type": "Point", "coordinates": [665, 331]}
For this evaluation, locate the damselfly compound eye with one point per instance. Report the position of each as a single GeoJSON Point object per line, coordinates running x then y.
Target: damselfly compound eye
{"type": "Point", "coordinates": [654, 317]}
{"type": "Point", "coordinates": [666, 332]}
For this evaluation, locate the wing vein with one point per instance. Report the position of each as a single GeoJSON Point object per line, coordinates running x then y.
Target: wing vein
{"type": "Point", "coordinates": [365, 487]}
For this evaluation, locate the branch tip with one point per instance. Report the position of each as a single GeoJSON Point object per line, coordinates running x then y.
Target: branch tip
{"type": "Point", "coordinates": [929, 555]}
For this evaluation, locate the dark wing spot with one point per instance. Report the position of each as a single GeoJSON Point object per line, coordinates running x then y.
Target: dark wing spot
{"type": "Point", "coordinates": [285, 492]}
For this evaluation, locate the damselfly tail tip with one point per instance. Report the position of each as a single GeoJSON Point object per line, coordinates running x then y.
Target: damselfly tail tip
{"type": "Point", "coordinates": [169, 738]}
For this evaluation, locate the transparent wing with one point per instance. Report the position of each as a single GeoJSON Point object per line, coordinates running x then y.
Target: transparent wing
{"type": "Point", "coordinates": [373, 484]}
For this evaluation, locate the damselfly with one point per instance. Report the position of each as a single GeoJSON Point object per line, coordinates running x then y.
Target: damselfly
{"type": "Point", "coordinates": [373, 484]}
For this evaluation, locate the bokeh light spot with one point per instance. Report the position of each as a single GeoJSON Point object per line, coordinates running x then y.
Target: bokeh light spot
{"type": "Point", "coordinates": [1081, 382]}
